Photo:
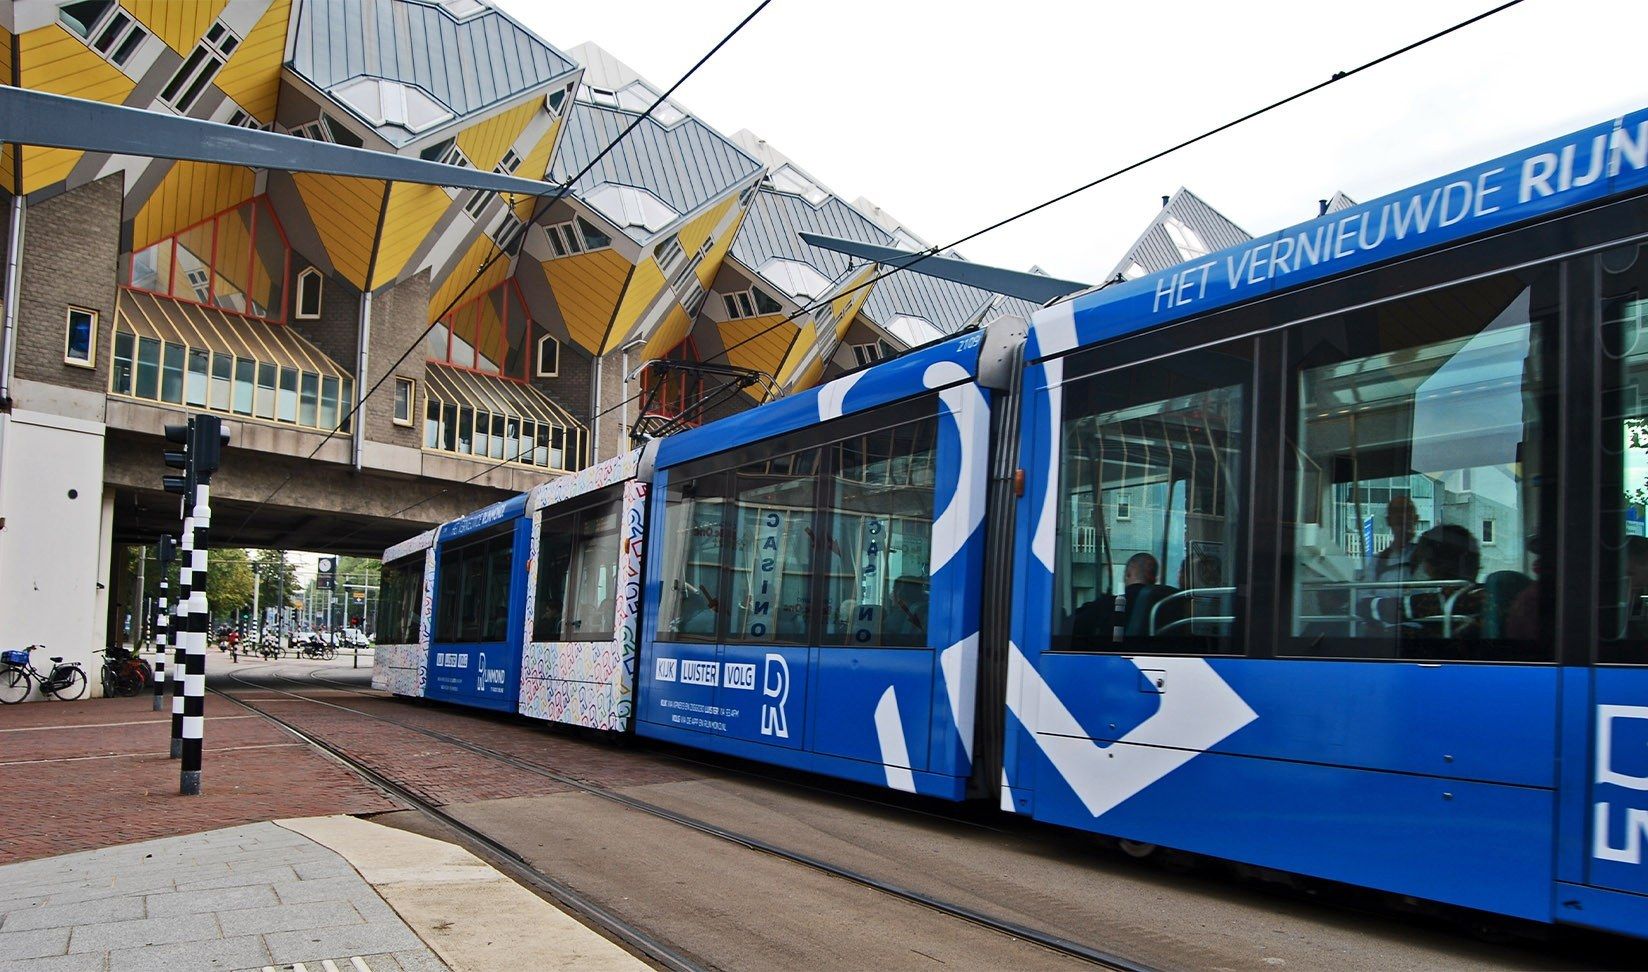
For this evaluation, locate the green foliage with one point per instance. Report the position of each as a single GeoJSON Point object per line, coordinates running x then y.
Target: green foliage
{"type": "Point", "coordinates": [272, 569]}
{"type": "Point", "coordinates": [229, 581]}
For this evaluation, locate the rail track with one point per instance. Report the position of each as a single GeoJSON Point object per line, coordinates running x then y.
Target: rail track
{"type": "Point", "coordinates": [635, 937]}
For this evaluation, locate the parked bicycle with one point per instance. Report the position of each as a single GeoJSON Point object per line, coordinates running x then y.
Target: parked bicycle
{"type": "Point", "coordinates": [18, 677]}
{"type": "Point", "coordinates": [124, 673]}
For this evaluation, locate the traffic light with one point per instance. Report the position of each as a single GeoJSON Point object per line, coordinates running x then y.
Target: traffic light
{"type": "Point", "coordinates": [202, 441]}
{"type": "Point", "coordinates": [180, 435]}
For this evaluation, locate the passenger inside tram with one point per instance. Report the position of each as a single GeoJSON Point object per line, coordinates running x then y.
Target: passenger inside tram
{"type": "Point", "coordinates": [1150, 488]}
{"type": "Point", "coordinates": [1423, 418]}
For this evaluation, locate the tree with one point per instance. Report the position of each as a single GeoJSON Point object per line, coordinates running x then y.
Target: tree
{"type": "Point", "coordinates": [275, 573]}
{"type": "Point", "coordinates": [229, 581]}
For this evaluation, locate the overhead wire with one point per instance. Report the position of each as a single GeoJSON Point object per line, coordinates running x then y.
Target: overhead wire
{"type": "Point", "coordinates": [543, 204]}
{"type": "Point", "coordinates": [917, 256]}
{"type": "Point", "coordinates": [921, 255]}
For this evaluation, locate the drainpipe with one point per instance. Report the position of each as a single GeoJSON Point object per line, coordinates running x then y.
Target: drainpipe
{"type": "Point", "coordinates": [595, 410]}
{"type": "Point", "coordinates": [14, 286]}
{"type": "Point", "coordinates": [363, 337]}
{"type": "Point", "coordinates": [623, 369]}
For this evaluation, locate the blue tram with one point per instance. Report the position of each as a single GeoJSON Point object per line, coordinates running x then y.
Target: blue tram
{"type": "Point", "coordinates": [1324, 553]}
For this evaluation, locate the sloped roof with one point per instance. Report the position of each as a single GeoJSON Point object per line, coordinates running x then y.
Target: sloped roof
{"type": "Point", "coordinates": [1155, 249]}
{"type": "Point", "coordinates": [1338, 202]}
{"type": "Point", "coordinates": [773, 229]}
{"type": "Point", "coordinates": [686, 164]}
{"type": "Point", "coordinates": [466, 64]}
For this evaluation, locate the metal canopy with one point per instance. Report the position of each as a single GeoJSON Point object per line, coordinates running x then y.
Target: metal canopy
{"type": "Point", "coordinates": [1014, 283]}
{"type": "Point", "coordinates": [58, 121]}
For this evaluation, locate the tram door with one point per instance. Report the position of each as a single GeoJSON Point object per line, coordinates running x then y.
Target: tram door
{"type": "Point", "coordinates": [1616, 816]}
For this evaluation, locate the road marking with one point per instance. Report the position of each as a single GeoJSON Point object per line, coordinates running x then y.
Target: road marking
{"type": "Point", "coordinates": [76, 759]}
{"type": "Point", "coordinates": [167, 718]}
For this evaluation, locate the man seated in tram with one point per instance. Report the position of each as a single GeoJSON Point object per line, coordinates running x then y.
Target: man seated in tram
{"type": "Point", "coordinates": [1396, 562]}
{"type": "Point", "coordinates": [1449, 555]}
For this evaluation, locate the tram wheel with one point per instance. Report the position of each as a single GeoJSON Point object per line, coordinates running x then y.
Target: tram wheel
{"type": "Point", "coordinates": [1138, 850]}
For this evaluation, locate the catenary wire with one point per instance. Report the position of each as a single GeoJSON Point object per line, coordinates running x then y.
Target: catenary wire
{"type": "Point", "coordinates": [921, 255]}
{"type": "Point", "coordinates": [543, 204]}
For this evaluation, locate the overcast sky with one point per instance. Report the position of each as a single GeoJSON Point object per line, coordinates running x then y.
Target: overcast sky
{"type": "Point", "coordinates": [951, 115]}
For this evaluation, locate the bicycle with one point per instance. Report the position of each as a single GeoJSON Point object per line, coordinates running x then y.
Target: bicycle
{"type": "Point", "coordinates": [124, 673]}
{"type": "Point", "coordinates": [18, 676]}
{"type": "Point", "coordinates": [318, 649]}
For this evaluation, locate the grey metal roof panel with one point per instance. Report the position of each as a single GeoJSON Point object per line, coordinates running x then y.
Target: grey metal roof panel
{"type": "Point", "coordinates": [686, 165]}
{"type": "Point", "coordinates": [1155, 250]}
{"type": "Point", "coordinates": [1338, 202]}
{"type": "Point", "coordinates": [773, 229]}
{"type": "Point", "coordinates": [468, 65]}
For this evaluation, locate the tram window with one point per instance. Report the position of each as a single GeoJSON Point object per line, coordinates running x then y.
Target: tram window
{"type": "Point", "coordinates": [555, 535]}
{"type": "Point", "coordinates": [694, 600]}
{"type": "Point", "coordinates": [1624, 542]}
{"type": "Point", "coordinates": [593, 574]}
{"type": "Point", "coordinates": [474, 590]}
{"type": "Point", "coordinates": [772, 549]}
{"type": "Point", "coordinates": [401, 602]}
{"type": "Point", "coordinates": [880, 537]}
{"type": "Point", "coordinates": [1418, 421]}
{"type": "Point", "coordinates": [1150, 506]}
{"type": "Point", "coordinates": [745, 533]}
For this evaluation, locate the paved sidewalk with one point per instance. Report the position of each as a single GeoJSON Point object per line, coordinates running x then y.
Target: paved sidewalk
{"type": "Point", "coordinates": [244, 898]}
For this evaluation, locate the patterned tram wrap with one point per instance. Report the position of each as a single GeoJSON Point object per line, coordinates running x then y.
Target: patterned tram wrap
{"type": "Point", "coordinates": [589, 683]}
{"type": "Point", "coordinates": [1244, 558]}
{"type": "Point", "coordinates": [402, 669]}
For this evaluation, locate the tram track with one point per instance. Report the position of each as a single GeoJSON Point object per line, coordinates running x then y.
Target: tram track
{"type": "Point", "coordinates": [1055, 943]}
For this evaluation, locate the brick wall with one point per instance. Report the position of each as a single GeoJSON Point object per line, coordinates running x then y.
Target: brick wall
{"type": "Point", "coordinates": [398, 318]}
{"type": "Point", "coordinates": [71, 253]}
{"type": "Point", "coordinates": [334, 333]}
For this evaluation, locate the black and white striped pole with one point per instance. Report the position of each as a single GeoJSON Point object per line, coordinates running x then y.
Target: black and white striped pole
{"type": "Point", "coordinates": [184, 485]}
{"type": "Point", "coordinates": [166, 551]}
{"type": "Point", "coordinates": [203, 440]}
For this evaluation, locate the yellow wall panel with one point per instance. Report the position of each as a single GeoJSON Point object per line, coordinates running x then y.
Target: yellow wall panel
{"type": "Point", "coordinates": [694, 234]}
{"type": "Point", "coordinates": [413, 212]}
{"type": "Point", "coordinates": [586, 289]}
{"type": "Point", "coordinates": [802, 341]}
{"type": "Point", "coordinates": [180, 23]}
{"type": "Point", "coordinates": [644, 285]}
{"type": "Point", "coordinates": [252, 76]}
{"type": "Point", "coordinates": [54, 60]}
{"type": "Point", "coordinates": [767, 343]}
{"type": "Point", "coordinates": [675, 328]}
{"type": "Point", "coordinates": [345, 214]}
{"type": "Point", "coordinates": [535, 166]}
{"type": "Point", "coordinates": [463, 271]}
{"type": "Point", "coordinates": [190, 192]}
{"type": "Point", "coordinates": [486, 142]}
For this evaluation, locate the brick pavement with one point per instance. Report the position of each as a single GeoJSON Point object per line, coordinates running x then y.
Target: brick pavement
{"type": "Point", "coordinates": [599, 762]}
{"type": "Point", "coordinates": [436, 771]}
{"type": "Point", "coordinates": [239, 898]}
{"type": "Point", "coordinates": [91, 774]}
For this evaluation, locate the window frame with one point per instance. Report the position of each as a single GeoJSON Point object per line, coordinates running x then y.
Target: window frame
{"type": "Point", "coordinates": [484, 546]}
{"type": "Point", "coordinates": [1245, 499]}
{"type": "Point", "coordinates": [1548, 338]}
{"type": "Point", "coordinates": [1570, 239]}
{"type": "Point", "coordinates": [410, 401]}
{"type": "Point", "coordinates": [606, 500]}
{"type": "Point", "coordinates": [89, 362]}
{"type": "Point", "coordinates": [305, 275]}
{"type": "Point", "coordinates": [721, 469]}
{"type": "Point", "coordinates": [538, 357]}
